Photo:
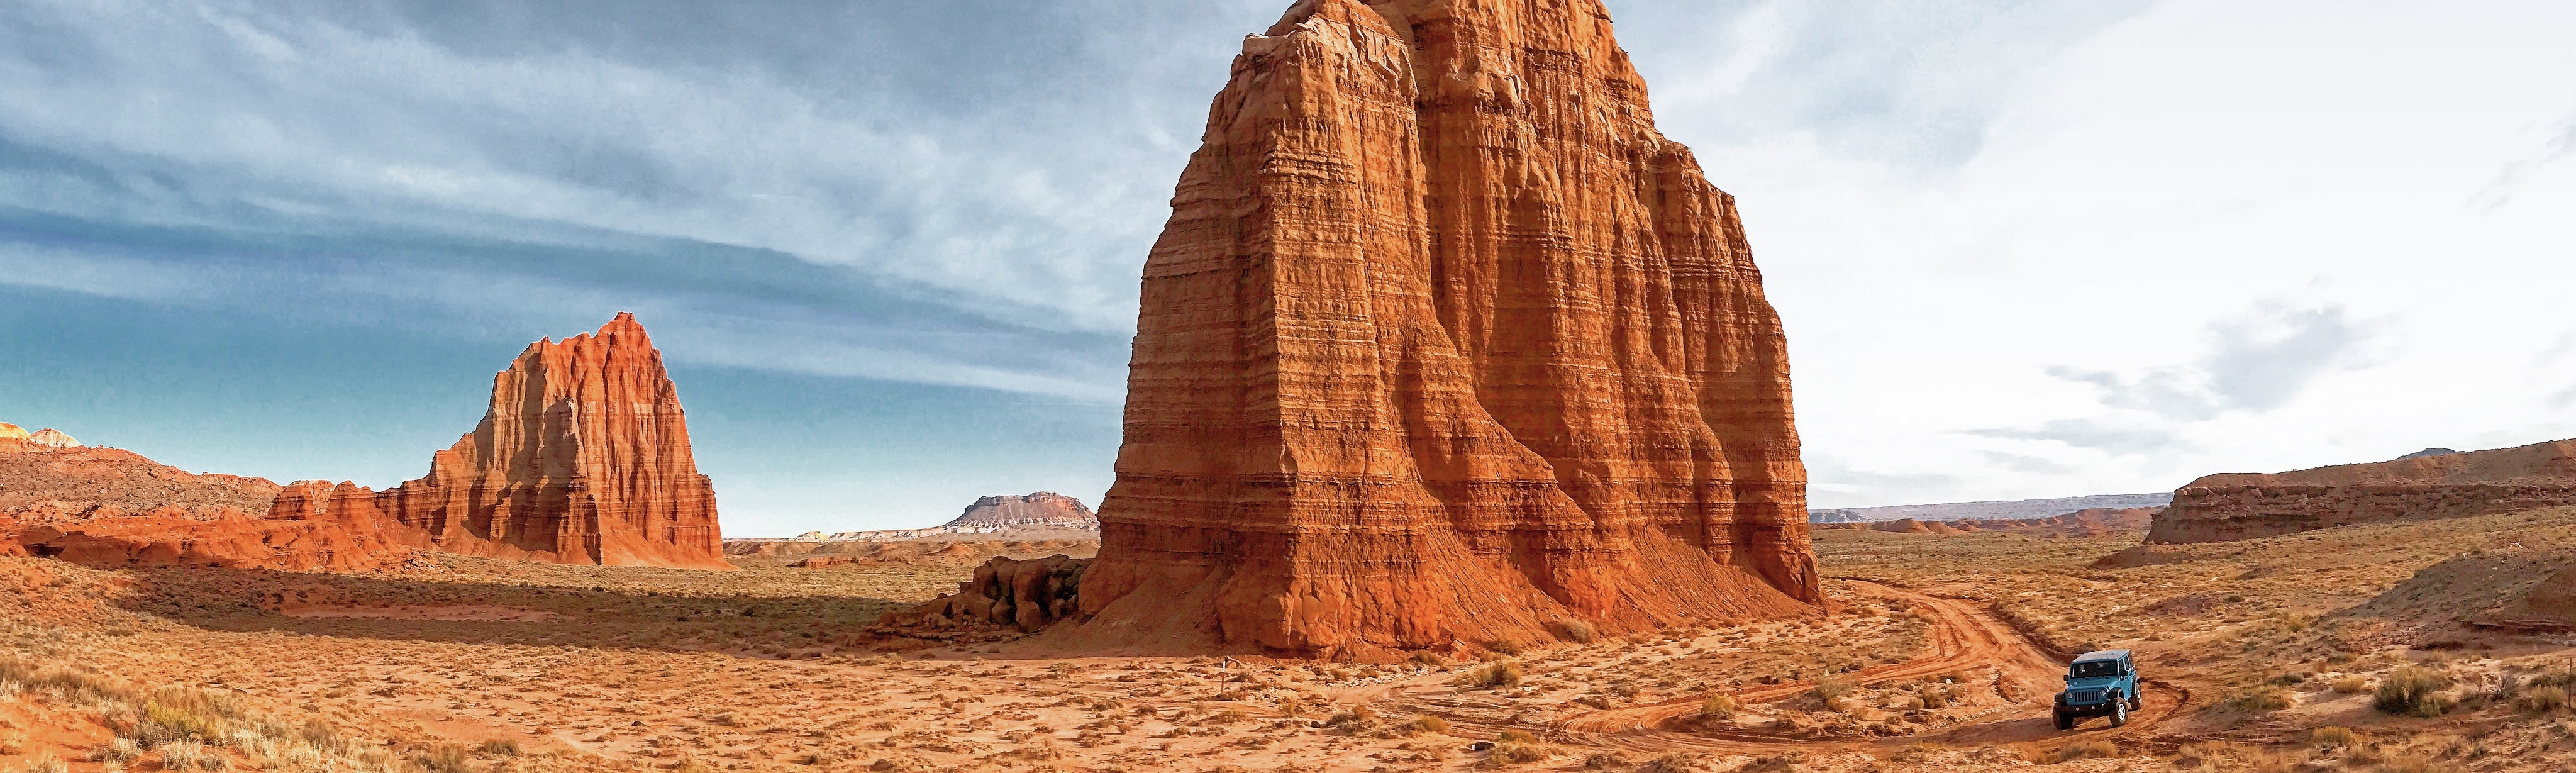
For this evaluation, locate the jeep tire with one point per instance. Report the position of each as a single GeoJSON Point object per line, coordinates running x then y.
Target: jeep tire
{"type": "Point", "coordinates": [2138, 703]}
{"type": "Point", "coordinates": [2119, 712]}
{"type": "Point", "coordinates": [2064, 722]}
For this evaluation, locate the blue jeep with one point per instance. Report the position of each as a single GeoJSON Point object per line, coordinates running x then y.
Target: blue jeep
{"type": "Point", "coordinates": [2099, 684]}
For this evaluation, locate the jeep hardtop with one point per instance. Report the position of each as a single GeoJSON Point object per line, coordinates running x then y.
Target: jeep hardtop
{"type": "Point", "coordinates": [2098, 684]}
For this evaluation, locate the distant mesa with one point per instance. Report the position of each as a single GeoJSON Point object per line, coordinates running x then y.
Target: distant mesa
{"type": "Point", "coordinates": [2093, 522]}
{"type": "Point", "coordinates": [1991, 510]}
{"type": "Point", "coordinates": [1037, 516]}
{"type": "Point", "coordinates": [582, 457]}
{"type": "Point", "coordinates": [2425, 453]}
{"type": "Point", "coordinates": [2419, 486]}
{"type": "Point", "coordinates": [1038, 509]}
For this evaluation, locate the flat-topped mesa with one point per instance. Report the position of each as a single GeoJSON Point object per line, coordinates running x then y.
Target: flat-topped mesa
{"type": "Point", "coordinates": [1444, 343]}
{"type": "Point", "coordinates": [2236, 506]}
{"type": "Point", "coordinates": [582, 458]}
{"type": "Point", "coordinates": [1039, 509]}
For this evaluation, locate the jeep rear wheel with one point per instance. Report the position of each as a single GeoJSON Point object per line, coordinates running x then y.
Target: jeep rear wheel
{"type": "Point", "coordinates": [2065, 722]}
{"type": "Point", "coordinates": [2119, 712]}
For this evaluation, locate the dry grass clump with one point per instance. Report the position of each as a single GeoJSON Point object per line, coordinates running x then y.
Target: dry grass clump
{"type": "Point", "coordinates": [2259, 700]}
{"type": "Point", "coordinates": [2350, 684]}
{"type": "Point", "coordinates": [2333, 737]}
{"type": "Point", "coordinates": [2413, 691]}
{"type": "Point", "coordinates": [1498, 674]}
{"type": "Point", "coordinates": [1676, 762]}
{"type": "Point", "coordinates": [1427, 723]}
{"type": "Point", "coordinates": [1719, 707]}
{"type": "Point", "coordinates": [2084, 751]}
{"type": "Point", "coordinates": [1576, 631]}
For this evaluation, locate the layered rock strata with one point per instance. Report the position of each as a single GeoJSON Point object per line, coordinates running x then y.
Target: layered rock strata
{"type": "Point", "coordinates": [1039, 509]}
{"type": "Point", "coordinates": [115, 509]}
{"type": "Point", "coordinates": [582, 457]}
{"type": "Point", "coordinates": [2237, 506]}
{"type": "Point", "coordinates": [1445, 343]}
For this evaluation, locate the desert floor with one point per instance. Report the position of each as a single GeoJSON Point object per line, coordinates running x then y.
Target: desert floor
{"type": "Point", "coordinates": [2263, 655]}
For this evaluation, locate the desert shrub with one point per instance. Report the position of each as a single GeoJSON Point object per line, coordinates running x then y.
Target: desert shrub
{"type": "Point", "coordinates": [1605, 761]}
{"type": "Point", "coordinates": [47, 763]}
{"type": "Point", "coordinates": [1511, 753]}
{"type": "Point", "coordinates": [2285, 680]}
{"type": "Point", "coordinates": [1498, 674]}
{"type": "Point", "coordinates": [2332, 737]}
{"type": "Point", "coordinates": [1576, 631]}
{"type": "Point", "coordinates": [1504, 646]}
{"type": "Point", "coordinates": [1429, 724]}
{"type": "Point", "coordinates": [2084, 751]}
{"type": "Point", "coordinates": [1429, 658]}
{"type": "Point", "coordinates": [2412, 691]}
{"type": "Point", "coordinates": [2350, 684]}
{"type": "Point", "coordinates": [2409, 763]}
{"type": "Point", "coordinates": [119, 750]}
{"type": "Point", "coordinates": [1352, 720]}
{"type": "Point", "coordinates": [2259, 700]}
{"type": "Point", "coordinates": [1717, 707]}
{"type": "Point", "coordinates": [1831, 689]}
{"type": "Point", "coordinates": [443, 759]}
{"type": "Point", "coordinates": [1676, 762]}
{"type": "Point", "coordinates": [499, 747]}
{"type": "Point", "coordinates": [1514, 736]}
{"type": "Point", "coordinates": [190, 755]}
{"type": "Point", "coordinates": [2541, 700]}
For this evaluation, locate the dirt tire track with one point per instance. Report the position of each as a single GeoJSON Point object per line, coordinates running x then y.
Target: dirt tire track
{"type": "Point", "coordinates": [1963, 638]}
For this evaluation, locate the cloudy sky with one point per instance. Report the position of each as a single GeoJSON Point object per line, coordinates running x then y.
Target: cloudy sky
{"type": "Point", "coordinates": [2024, 249]}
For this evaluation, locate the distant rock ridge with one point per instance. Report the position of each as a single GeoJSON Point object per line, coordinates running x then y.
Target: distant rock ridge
{"type": "Point", "coordinates": [14, 437]}
{"type": "Point", "coordinates": [2233, 506]}
{"type": "Point", "coordinates": [2425, 453]}
{"type": "Point", "coordinates": [1039, 509]}
{"type": "Point", "coordinates": [1990, 510]}
{"type": "Point", "coordinates": [1003, 515]}
{"type": "Point", "coordinates": [115, 509]}
{"type": "Point", "coordinates": [582, 457]}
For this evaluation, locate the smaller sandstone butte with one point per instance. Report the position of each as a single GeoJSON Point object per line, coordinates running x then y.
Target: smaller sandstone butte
{"type": "Point", "coordinates": [111, 508]}
{"type": "Point", "coordinates": [582, 458]}
{"type": "Point", "coordinates": [1039, 509]}
{"type": "Point", "coordinates": [2236, 506]}
{"type": "Point", "coordinates": [15, 438]}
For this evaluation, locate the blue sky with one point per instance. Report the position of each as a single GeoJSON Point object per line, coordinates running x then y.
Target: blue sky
{"type": "Point", "coordinates": [2023, 249]}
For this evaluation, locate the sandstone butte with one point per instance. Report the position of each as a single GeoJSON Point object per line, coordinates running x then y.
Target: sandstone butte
{"type": "Point", "coordinates": [2236, 506]}
{"type": "Point", "coordinates": [1445, 344]}
{"type": "Point", "coordinates": [582, 458]}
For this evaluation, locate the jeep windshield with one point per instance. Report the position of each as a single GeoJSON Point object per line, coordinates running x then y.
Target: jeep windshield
{"type": "Point", "coordinates": [2094, 668]}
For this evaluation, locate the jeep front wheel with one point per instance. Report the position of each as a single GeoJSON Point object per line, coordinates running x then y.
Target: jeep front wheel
{"type": "Point", "coordinates": [2065, 722]}
{"type": "Point", "coordinates": [2119, 712]}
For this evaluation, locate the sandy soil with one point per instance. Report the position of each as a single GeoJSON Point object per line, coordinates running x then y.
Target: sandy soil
{"type": "Point", "coordinates": [2263, 655]}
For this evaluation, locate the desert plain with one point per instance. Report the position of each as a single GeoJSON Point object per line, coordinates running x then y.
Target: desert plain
{"type": "Point", "coordinates": [1938, 652]}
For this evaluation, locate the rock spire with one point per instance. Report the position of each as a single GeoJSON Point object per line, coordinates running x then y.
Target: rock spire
{"type": "Point", "coordinates": [1445, 343]}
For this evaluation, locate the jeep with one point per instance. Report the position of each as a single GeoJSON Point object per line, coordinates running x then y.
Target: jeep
{"type": "Point", "coordinates": [2100, 684]}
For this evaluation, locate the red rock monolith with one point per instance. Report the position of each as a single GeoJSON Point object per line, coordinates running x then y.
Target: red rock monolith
{"type": "Point", "coordinates": [582, 457]}
{"type": "Point", "coordinates": [1445, 343]}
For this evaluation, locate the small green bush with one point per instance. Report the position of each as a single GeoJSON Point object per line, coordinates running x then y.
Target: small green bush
{"type": "Point", "coordinates": [1717, 707]}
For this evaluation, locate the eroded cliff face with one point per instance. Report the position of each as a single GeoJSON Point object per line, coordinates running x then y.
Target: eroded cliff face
{"type": "Point", "coordinates": [2237, 506]}
{"type": "Point", "coordinates": [582, 457]}
{"type": "Point", "coordinates": [1445, 343]}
